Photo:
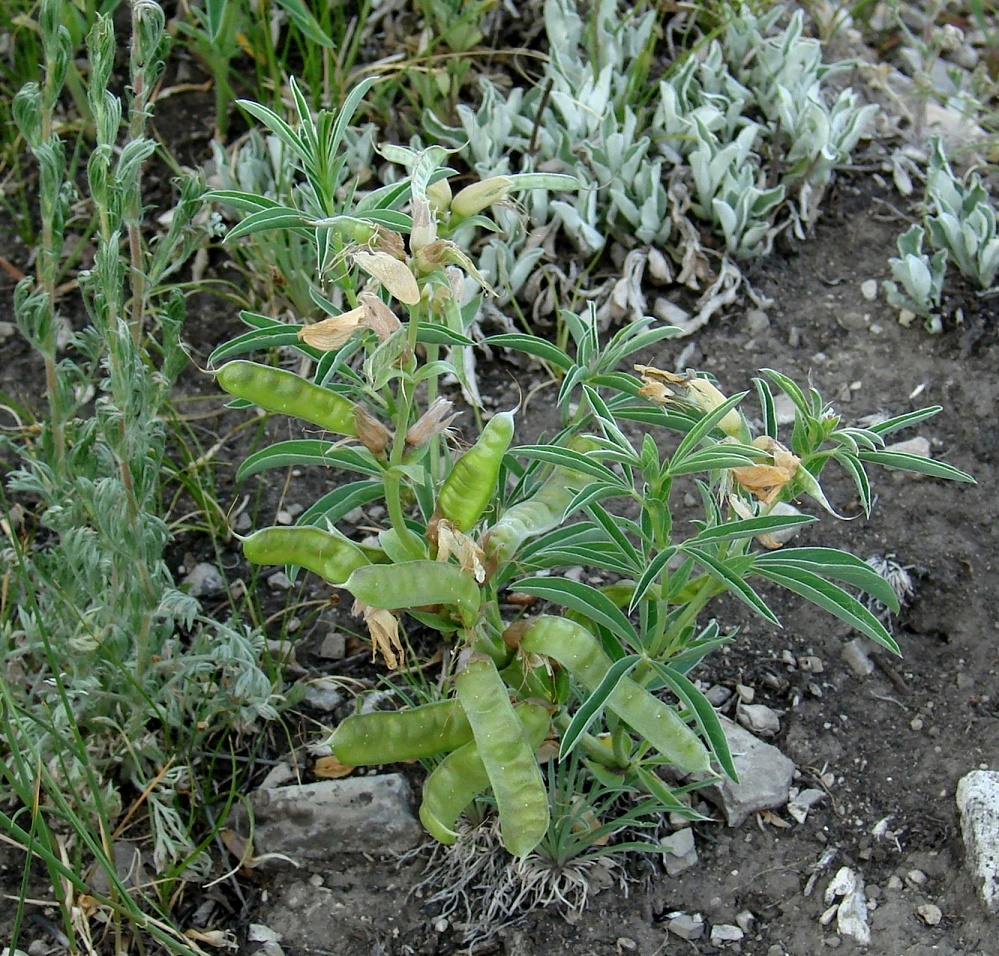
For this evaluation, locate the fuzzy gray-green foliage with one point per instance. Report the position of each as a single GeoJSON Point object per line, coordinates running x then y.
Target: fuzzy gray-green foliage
{"type": "Point", "coordinates": [703, 143]}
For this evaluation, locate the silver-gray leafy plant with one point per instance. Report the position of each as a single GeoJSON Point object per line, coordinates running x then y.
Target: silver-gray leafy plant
{"type": "Point", "coordinates": [588, 115]}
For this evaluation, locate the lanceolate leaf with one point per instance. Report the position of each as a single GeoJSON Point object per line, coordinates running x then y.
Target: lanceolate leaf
{"type": "Point", "coordinates": [567, 458]}
{"type": "Point", "coordinates": [309, 451]}
{"type": "Point", "coordinates": [831, 598]}
{"type": "Point", "coordinates": [650, 575]}
{"type": "Point", "coordinates": [704, 714]}
{"type": "Point", "coordinates": [532, 345]}
{"type": "Point", "coordinates": [591, 708]}
{"type": "Point", "coordinates": [751, 527]}
{"type": "Point", "coordinates": [905, 421]}
{"type": "Point", "coordinates": [915, 463]}
{"type": "Point", "coordinates": [733, 581]}
{"type": "Point", "coordinates": [830, 563]}
{"type": "Point", "coordinates": [583, 598]}
{"type": "Point", "coordinates": [333, 506]}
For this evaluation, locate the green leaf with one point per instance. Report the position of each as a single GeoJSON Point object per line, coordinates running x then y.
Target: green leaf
{"type": "Point", "coordinates": [532, 345]}
{"type": "Point", "coordinates": [650, 575]}
{"type": "Point", "coordinates": [430, 333]}
{"type": "Point", "coordinates": [714, 458]}
{"type": "Point", "coordinates": [309, 451]}
{"type": "Point", "coordinates": [904, 421]}
{"type": "Point", "coordinates": [333, 506]}
{"type": "Point", "coordinates": [611, 526]}
{"type": "Point", "coordinates": [835, 564]}
{"type": "Point", "coordinates": [586, 600]}
{"type": "Point", "coordinates": [278, 217]}
{"type": "Point", "coordinates": [300, 15]}
{"type": "Point", "coordinates": [831, 598]}
{"type": "Point", "coordinates": [751, 527]}
{"type": "Point", "coordinates": [860, 479]}
{"type": "Point", "coordinates": [916, 464]}
{"type": "Point", "coordinates": [567, 458]}
{"type": "Point", "coordinates": [733, 581]}
{"type": "Point", "coordinates": [704, 715]}
{"type": "Point", "coordinates": [655, 785]}
{"type": "Point", "coordinates": [766, 397]}
{"type": "Point", "coordinates": [703, 429]}
{"type": "Point", "coordinates": [278, 335]}
{"type": "Point", "coordinates": [591, 708]}
{"type": "Point", "coordinates": [602, 556]}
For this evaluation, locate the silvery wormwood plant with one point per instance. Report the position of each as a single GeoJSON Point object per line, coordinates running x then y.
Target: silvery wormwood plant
{"type": "Point", "coordinates": [584, 116]}
{"type": "Point", "coordinates": [960, 224]}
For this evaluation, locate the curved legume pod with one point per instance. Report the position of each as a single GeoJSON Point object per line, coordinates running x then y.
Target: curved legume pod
{"type": "Point", "coordinates": [330, 556]}
{"type": "Point", "coordinates": [577, 650]}
{"type": "Point", "coordinates": [409, 584]}
{"type": "Point", "coordinates": [540, 513]}
{"type": "Point", "coordinates": [470, 486]}
{"type": "Point", "coordinates": [277, 390]}
{"type": "Point", "coordinates": [461, 776]}
{"type": "Point", "coordinates": [392, 736]}
{"type": "Point", "coordinates": [512, 768]}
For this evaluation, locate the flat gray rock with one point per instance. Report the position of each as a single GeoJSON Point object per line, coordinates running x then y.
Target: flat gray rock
{"type": "Point", "coordinates": [765, 776]}
{"type": "Point", "coordinates": [318, 821]}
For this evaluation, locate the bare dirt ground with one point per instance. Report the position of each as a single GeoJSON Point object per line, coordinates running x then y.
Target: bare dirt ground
{"type": "Point", "coordinates": [895, 742]}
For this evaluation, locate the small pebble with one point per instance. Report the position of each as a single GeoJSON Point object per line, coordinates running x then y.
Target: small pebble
{"type": "Point", "coordinates": [930, 914]}
{"type": "Point", "coordinates": [745, 921]}
{"type": "Point", "coordinates": [894, 883]}
{"type": "Point", "coordinates": [855, 654]}
{"type": "Point", "coordinates": [624, 944]}
{"type": "Point", "coordinates": [746, 694]}
{"type": "Point", "coordinates": [284, 517]}
{"type": "Point", "coordinates": [726, 933]}
{"type": "Point", "coordinates": [686, 926]}
{"type": "Point", "coordinates": [441, 925]}
{"type": "Point", "coordinates": [916, 878]}
{"type": "Point", "coordinates": [916, 723]}
{"type": "Point", "coordinates": [279, 581]}
{"type": "Point", "coordinates": [869, 289]}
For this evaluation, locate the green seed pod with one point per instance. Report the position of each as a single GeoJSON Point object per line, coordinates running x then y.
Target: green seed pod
{"type": "Point", "coordinates": [577, 650]}
{"type": "Point", "coordinates": [393, 736]}
{"type": "Point", "coordinates": [540, 513]}
{"type": "Point", "coordinates": [470, 486]}
{"type": "Point", "coordinates": [410, 584]}
{"type": "Point", "coordinates": [461, 776]}
{"type": "Point", "coordinates": [329, 555]}
{"type": "Point", "coordinates": [511, 767]}
{"type": "Point", "coordinates": [276, 390]}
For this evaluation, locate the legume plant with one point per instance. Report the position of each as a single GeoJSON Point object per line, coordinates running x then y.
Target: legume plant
{"type": "Point", "coordinates": [606, 676]}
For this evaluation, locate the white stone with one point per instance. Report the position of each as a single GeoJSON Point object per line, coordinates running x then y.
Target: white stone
{"type": "Point", "coordinates": [930, 914]}
{"type": "Point", "coordinates": [978, 801]}
{"type": "Point", "coordinates": [726, 933]}
{"type": "Point", "coordinates": [204, 580]}
{"type": "Point", "coordinates": [851, 914]}
{"type": "Point", "coordinates": [855, 654]}
{"type": "Point", "coordinates": [869, 289]}
{"type": "Point", "coordinates": [680, 853]}
{"type": "Point", "coordinates": [759, 719]}
{"type": "Point", "coordinates": [765, 776]}
{"type": "Point", "coordinates": [803, 802]}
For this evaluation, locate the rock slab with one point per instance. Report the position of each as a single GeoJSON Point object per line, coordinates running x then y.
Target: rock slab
{"type": "Point", "coordinates": [318, 821]}
{"type": "Point", "coordinates": [978, 801]}
{"type": "Point", "coordinates": [765, 776]}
